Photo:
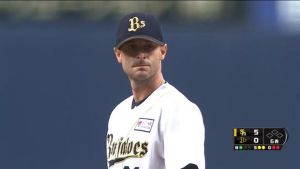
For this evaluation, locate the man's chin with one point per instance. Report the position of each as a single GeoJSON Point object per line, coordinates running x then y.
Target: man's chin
{"type": "Point", "coordinates": [140, 76]}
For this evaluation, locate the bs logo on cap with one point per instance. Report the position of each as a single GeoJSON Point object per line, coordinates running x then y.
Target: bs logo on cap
{"type": "Point", "coordinates": [135, 24]}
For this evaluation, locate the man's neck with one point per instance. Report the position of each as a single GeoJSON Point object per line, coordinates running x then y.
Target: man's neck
{"type": "Point", "coordinates": [143, 89]}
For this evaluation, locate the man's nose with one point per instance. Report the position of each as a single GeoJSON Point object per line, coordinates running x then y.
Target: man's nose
{"type": "Point", "coordinates": [141, 55]}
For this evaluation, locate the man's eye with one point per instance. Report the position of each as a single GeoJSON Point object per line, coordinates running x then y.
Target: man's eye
{"type": "Point", "coordinates": [149, 46]}
{"type": "Point", "coordinates": [132, 46]}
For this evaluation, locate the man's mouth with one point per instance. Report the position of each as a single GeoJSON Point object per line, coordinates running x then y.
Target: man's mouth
{"type": "Point", "coordinates": [140, 65]}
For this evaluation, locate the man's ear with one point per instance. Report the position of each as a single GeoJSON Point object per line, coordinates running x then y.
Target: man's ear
{"type": "Point", "coordinates": [118, 54]}
{"type": "Point", "coordinates": [163, 50]}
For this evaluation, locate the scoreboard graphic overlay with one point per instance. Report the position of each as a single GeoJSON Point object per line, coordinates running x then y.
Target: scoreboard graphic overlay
{"type": "Point", "coordinates": [259, 138]}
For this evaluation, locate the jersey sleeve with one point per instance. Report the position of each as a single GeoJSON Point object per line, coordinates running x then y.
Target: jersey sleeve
{"type": "Point", "coordinates": [183, 138]}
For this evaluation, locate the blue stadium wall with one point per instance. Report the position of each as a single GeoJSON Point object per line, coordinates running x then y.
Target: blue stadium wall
{"type": "Point", "coordinates": [59, 82]}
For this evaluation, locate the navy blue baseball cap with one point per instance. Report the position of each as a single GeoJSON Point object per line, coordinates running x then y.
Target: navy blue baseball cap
{"type": "Point", "coordinates": [139, 26]}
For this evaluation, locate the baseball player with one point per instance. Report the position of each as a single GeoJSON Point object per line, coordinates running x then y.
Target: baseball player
{"type": "Point", "coordinates": [157, 127]}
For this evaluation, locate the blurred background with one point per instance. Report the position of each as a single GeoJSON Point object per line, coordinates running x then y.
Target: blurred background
{"type": "Point", "coordinates": [59, 80]}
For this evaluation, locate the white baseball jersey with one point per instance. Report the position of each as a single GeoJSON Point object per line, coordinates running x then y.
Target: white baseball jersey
{"type": "Point", "coordinates": [166, 131]}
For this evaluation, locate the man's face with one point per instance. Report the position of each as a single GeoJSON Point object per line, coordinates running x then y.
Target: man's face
{"type": "Point", "coordinates": [141, 59]}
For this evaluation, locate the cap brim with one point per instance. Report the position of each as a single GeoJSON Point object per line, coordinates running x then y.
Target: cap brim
{"type": "Point", "coordinates": [140, 37]}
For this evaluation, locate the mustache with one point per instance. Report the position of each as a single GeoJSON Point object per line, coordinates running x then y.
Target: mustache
{"type": "Point", "coordinates": [140, 63]}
